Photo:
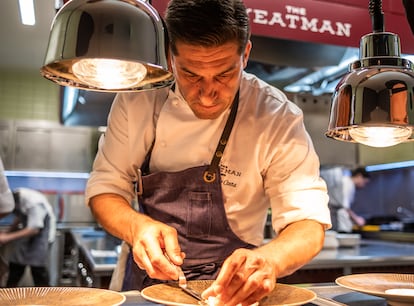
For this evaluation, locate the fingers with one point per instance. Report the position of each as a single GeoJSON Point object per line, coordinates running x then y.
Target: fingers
{"type": "Point", "coordinates": [245, 278]}
{"type": "Point", "coordinates": [255, 287]}
{"type": "Point", "coordinates": [156, 250]}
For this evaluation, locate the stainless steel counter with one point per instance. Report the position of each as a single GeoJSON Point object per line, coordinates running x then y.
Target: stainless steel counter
{"type": "Point", "coordinates": [370, 256]}
{"type": "Point", "coordinates": [98, 253]}
{"type": "Point", "coordinates": [97, 256]}
{"type": "Point", "coordinates": [368, 252]}
{"type": "Point", "coordinates": [98, 247]}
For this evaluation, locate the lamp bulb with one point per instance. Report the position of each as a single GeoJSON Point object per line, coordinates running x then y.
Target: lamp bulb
{"type": "Point", "coordinates": [109, 73]}
{"type": "Point", "coordinates": [382, 136]}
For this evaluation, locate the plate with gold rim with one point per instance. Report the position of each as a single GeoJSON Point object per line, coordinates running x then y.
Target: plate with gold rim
{"type": "Point", "coordinates": [62, 296]}
{"type": "Point", "coordinates": [172, 295]}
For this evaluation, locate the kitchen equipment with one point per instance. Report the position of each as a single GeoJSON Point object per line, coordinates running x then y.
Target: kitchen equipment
{"type": "Point", "coordinates": [171, 294]}
{"type": "Point", "coordinates": [348, 240]}
{"type": "Point", "coordinates": [407, 219]}
{"type": "Point", "coordinates": [378, 284]}
{"type": "Point", "coordinates": [330, 241]}
{"type": "Point", "coordinates": [62, 296]}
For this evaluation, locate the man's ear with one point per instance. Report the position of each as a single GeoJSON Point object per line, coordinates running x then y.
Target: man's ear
{"type": "Point", "coordinates": [247, 53]}
{"type": "Point", "coordinates": [169, 60]}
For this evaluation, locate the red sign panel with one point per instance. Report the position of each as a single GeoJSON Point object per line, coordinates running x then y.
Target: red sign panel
{"type": "Point", "coordinates": [335, 22]}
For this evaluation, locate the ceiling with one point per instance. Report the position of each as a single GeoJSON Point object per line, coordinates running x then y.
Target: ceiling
{"type": "Point", "coordinates": [23, 47]}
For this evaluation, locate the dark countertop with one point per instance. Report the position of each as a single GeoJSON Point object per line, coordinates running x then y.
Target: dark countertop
{"type": "Point", "coordinates": [336, 293]}
{"type": "Point", "coordinates": [395, 236]}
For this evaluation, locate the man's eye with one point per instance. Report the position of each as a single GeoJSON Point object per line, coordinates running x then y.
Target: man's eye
{"type": "Point", "coordinates": [223, 77]}
{"type": "Point", "coordinates": [192, 77]}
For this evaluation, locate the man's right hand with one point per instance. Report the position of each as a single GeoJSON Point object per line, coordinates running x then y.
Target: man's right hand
{"type": "Point", "coordinates": [156, 249]}
{"type": "Point", "coordinates": [154, 244]}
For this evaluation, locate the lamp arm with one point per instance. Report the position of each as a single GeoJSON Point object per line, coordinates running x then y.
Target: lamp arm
{"type": "Point", "coordinates": [377, 15]}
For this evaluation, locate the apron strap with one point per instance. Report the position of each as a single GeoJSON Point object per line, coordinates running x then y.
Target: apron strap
{"type": "Point", "coordinates": [210, 173]}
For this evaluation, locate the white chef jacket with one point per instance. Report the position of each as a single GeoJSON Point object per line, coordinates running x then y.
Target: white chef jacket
{"type": "Point", "coordinates": [341, 191]}
{"type": "Point", "coordinates": [269, 160]}
{"type": "Point", "coordinates": [35, 206]}
{"type": "Point", "coordinates": [6, 196]}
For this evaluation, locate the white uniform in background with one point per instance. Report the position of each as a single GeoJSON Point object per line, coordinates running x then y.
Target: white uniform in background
{"type": "Point", "coordinates": [6, 207]}
{"type": "Point", "coordinates": [6, 196]}
{"type": "Point", "coordinates": [341, 191]}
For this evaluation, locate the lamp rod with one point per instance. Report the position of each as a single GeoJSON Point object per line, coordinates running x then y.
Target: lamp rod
{"type": "Point", "coordinates": [377, 15]}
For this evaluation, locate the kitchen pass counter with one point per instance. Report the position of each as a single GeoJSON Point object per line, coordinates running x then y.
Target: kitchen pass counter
{"type": "Point", "coordinates": [337, 293]}
{"type": "Point", "coordinates": [98, 251]}
{"type": "Point", "coordinates": [370, 256]}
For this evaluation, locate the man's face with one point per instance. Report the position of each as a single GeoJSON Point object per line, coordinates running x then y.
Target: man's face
{"type": "Point", "coordinates": [209, 78]}
{"type": "Point", "coordinates": [360, 181]}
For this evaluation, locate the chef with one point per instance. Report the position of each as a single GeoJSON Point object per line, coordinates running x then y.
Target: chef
{"type": "Point", "coordinates": [207, 158]}
{"type": "Point", "coordinates": [6, 207]}
{"type": "Point", "coordinates": [6, 196]}
{"type": "Point", "coordinates": [342, 184]}
{"type": "Point", "coordinates": [32, 232]}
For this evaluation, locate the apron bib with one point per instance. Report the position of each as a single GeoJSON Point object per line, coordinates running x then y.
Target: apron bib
{"type": "Point", "coordinates": [191, 201]}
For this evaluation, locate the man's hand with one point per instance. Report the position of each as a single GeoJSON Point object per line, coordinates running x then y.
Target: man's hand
{"type": "Point", "coordinates": [154, 244]}
{"type": "Point", "coordinates": [249, 275]}
{"type": "Point", "coordinates": [156, 250]}
{"type": "Point", "coordinates": [4, 238]}
{"type": "Point", "coordinates": [245, 277]}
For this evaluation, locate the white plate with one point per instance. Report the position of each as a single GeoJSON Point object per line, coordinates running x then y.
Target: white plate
{"type": "Point", "coordinates": [62, 296]}
{"type": "Point", "coordinates": [378, 284]}
{"type": "Point", "coordinates": [171, 294]}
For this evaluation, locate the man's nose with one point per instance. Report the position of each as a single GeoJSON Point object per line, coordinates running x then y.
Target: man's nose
{"type": "Point", "coordinates": [207, 92]}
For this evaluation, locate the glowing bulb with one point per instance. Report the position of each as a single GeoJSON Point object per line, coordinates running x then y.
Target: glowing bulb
{"type": "Point", "coordinates": [383, 136]}
{"type": "Point", "coordinates": [109, 73]}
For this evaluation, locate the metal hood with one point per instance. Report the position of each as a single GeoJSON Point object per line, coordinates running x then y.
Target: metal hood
{"type": "Point", "coordinates": [300, 67]}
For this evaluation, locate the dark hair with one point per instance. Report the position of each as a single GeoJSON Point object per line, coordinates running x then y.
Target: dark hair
{"type": "Point", "coordinates": [362, 171]}
{"type": "Point", "coordinates": [207, 23]}
{"type": "Point", "coordinates": [16, 196]}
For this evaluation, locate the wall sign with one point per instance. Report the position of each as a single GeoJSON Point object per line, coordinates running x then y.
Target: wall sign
{"type": "Point", "coordinates": [332, 22]}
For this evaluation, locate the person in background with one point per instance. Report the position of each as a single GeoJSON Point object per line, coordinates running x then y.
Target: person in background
{"type": "Point", "coordinates": [32, 231]}
{"type": "Point", "coordinates": [6, 207]}
{"type": "Point", "coordinates": [342, 184]}
{"type": "Point", "coordinates": [6, 196]}
{"type": "Point", "coordinates": [216, 151]}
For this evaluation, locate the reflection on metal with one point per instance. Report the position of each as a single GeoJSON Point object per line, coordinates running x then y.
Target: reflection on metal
{"type": "Point", "coordinates": [87, 33]}
{"type": "Point", "coordinates": [373, 104]}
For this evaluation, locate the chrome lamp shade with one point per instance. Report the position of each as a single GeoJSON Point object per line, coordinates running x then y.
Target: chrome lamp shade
{"type": "Point", "coordinates": [373, 104]}
{"type": "Point", "coordinates": [107, 45]}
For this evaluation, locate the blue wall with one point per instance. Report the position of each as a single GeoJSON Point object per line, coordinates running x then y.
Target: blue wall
{"type": "Point", "coordinates": [386, 191]}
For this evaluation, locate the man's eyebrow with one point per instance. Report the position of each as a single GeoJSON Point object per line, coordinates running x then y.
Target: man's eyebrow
{"type": "Point", "coordinates": [187, 70]}
{"type": "Point", "coordinates": [232, 67]}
